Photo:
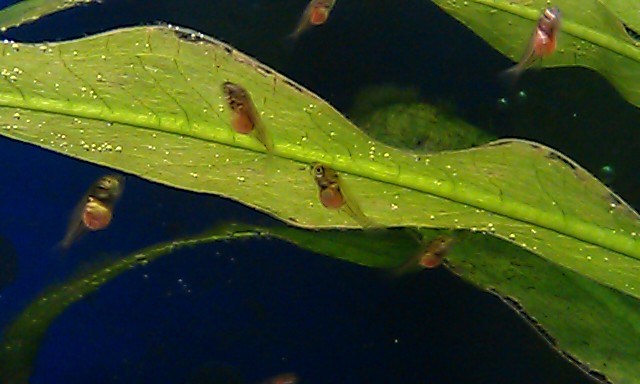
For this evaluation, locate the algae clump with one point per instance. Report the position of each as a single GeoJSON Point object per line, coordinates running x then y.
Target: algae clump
{"type": "Point", "coordinates": [398, 117]}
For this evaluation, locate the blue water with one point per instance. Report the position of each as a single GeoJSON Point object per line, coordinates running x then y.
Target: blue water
{"type": "Point", "coordinates": [248, 310]}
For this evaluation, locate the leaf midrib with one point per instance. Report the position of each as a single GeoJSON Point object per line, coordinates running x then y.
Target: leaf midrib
{"type": "Point", "coordinates": [467, 195]}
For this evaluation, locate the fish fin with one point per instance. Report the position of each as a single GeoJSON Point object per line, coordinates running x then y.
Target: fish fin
{"type": "Point", "coordinates": [75, 228]}
{"type": "Point", "coordinates": [353, 209]}
{"type": "Point", "coordinates": [71, 237]}
{"type": "Point", "coordinates": [288, 44]}
{"type": "Point", "coordinates": [509, 77]}
{"type": "Point", "coordinates": [263, 136]}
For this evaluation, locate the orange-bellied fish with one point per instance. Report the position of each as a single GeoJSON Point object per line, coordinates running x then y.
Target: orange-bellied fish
{"type": "Point", "coordinates": [435, 251]}
{"type": "Point", "coordinates": [541, 44]}
{"type": "Point", "coordinates": [283, 378]}
{"type": "Point", "coordinates": [332, 194]}
{"type": "Point", "coordinates": [316, 13]}
{"type": "Point", "coordinates": [95, 211]}
{"type": "Point", "coordinates": [245, 118]}
{"type": "Point", "coordinates": [430, 256]}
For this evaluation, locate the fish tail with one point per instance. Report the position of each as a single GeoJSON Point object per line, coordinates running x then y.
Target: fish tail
{"type": "Point", "coordinates": [263, 136]}
{"type": "Point", "coordinates": [356, 213]}
{"type": "Point", "coordinates": [289, 42]}
{"type": "Point", "coordinates": [509, 77]}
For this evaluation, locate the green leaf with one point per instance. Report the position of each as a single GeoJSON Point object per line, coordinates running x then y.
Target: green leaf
{"type": "Point", "coordinates": [22, 338]}
{"type": "Point", "coordinates": [28, 11]}
{"type": "Point", "coordinates": [628, 14]}
{"type": "Point", "coordinates": [596, 327]}
{"type": "Point", "coordinates": [591, 35]}
{"type": "Point", "coordinates": [148, 101]}
{"type": "Point", "coordinates": [601, 337]}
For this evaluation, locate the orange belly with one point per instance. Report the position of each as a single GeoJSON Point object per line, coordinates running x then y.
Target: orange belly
{"type": "Point", "coordinates": [319, 15]}
{"type": "Point", "coordinates": [241, 123]}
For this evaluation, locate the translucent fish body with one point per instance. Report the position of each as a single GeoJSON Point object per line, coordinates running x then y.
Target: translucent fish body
{"type": "Point", "coordinates": [542, 43]}
{"type": "Point", "coordinates": [244, 115]}
{"type": "Point", "coordinates": [332, 194]}
{"type": "Point", "coordinates": [436, 251]}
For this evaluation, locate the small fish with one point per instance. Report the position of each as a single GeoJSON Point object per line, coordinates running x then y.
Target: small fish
{"type": "Point", "coordinates": [332, 194]}
{"type": "Point", "coordinates": [316, 13]}
{"type": "Point", "coordinates": [541, 44]}
{"type": "Point", "coordinates": [430, 256]}
{"type": "Point", "coordinates": [283, 378]}
{"type": "Point", "coordinates": [244, 115]}
{"type": "Point", "coordinates": [95, 210]}
{"type": "Point", "coordinates": [436, 251]}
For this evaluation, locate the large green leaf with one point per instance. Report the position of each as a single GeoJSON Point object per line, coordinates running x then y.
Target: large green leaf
{"type": "Point", "coordinates": [591, 36]}
{"type": "Point", "coordinates": [594, 326]}
{"type": "Point", "coordinates": [597, 328]}
{"type": "Point", "coordinates": [21, 339]}
{"type": "Point", "coordinates": [148, 101]}
{"type": "Point", "coordinates": [27, 11]}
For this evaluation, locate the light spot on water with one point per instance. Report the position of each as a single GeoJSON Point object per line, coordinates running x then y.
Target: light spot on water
{"type": "Point", "coordinates": [522, 96]}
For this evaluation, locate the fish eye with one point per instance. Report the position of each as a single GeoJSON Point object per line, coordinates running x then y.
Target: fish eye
{"type": "Point", "coordinates": [318, 170]}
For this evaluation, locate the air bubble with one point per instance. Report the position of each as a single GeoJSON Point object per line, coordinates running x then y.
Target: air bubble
{"type": "Point", "coordinates": [393, 207]}
{"type": "Point", "coordinates": [240, 179]}
{"type": "Point", "coordinates": [522, 96]}
{"type": "Point", "coordinates": [512, 236]}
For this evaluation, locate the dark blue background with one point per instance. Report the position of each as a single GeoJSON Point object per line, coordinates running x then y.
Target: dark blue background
{"type": "Point", "coordinates": [249, 310]}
